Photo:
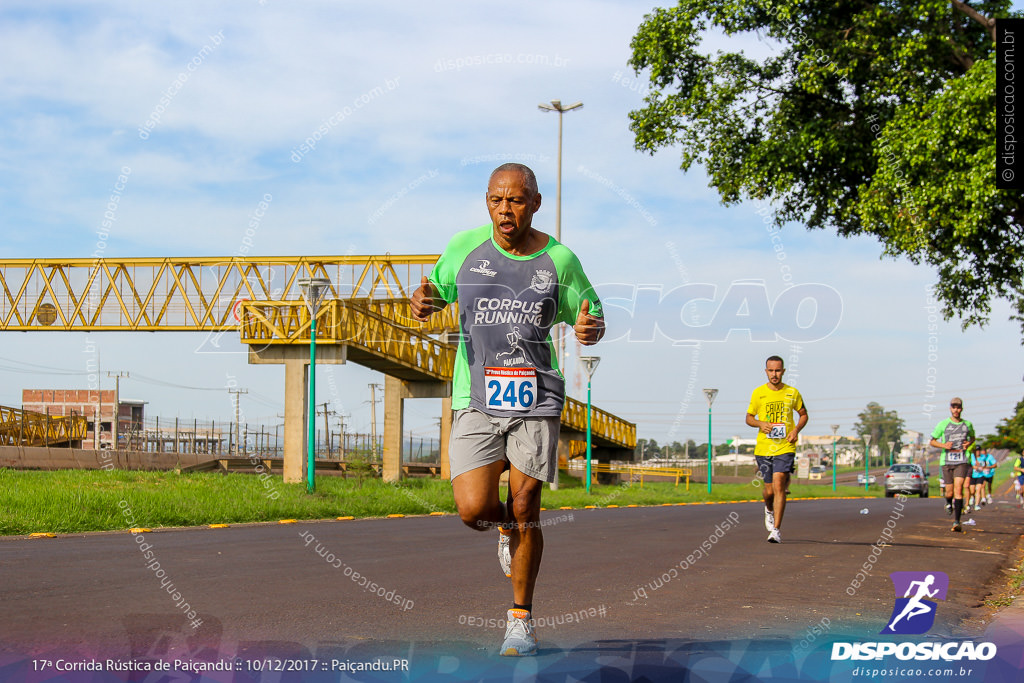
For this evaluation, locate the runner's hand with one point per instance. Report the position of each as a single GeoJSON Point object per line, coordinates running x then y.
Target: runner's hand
{"type": "Point", "coordinates": [424, 300]}
{"type": "Point", "coordinates": [588, 328]}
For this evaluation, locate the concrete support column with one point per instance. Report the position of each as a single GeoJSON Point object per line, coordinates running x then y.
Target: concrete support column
{"type": "Point", "coordinates": [295, 358]}
{"type": "Point", "coordinates": [446, 433]}
{"type": "Point", "coordinates": [564, 454]}
{"type": "Point", "coordinates": [394, 414]}
{"type": "Point", "coordinates": [564, 447]}
{"type": "Point", "coordinates": [296, 411]}
{"type": "Point", "coordinates": [395, 392]}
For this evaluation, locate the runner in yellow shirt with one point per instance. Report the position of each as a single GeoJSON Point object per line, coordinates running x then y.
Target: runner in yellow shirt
{"type": "Point", "coordinates": [771, 411]}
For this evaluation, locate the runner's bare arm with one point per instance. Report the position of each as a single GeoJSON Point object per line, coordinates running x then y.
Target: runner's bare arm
{"type": "Point", "coordinates": [761, 426]}
{"type": "Point", "coordinates": [791, 437]}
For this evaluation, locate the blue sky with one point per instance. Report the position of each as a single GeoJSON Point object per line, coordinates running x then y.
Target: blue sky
{"type": "Point", "coordinates": [414, 105]}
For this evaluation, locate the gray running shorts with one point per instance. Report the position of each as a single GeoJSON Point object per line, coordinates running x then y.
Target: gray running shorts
{"type": "Point", "coordinates": [529, 443]}
{"type": "Point", "coordinates": [960, 470]}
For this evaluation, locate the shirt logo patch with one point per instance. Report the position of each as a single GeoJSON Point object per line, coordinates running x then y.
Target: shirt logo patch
{"type": "Point", "coordinates": [513, 337]}
{"type": "Point", "coordinates": [542, 281]}
{"type": "Point", "coordinates": [482, 269]}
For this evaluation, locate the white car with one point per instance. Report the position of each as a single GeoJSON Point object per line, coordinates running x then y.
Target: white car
{"type": "Point", "coordinates": [860, 479]}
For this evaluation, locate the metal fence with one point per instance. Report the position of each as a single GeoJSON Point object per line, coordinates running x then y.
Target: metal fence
{"type": "Point", "coordinates": [178, 435]}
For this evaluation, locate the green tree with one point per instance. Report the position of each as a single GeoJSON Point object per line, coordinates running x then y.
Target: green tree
{"type": "Point", "coordinates": [646, 449]}
{"type": "Point", "coordinates": [880, 426]}
{"type": "Point", "coordinates": [1009, 433]}
{"type": "Point", "coordinates": [869, 118]}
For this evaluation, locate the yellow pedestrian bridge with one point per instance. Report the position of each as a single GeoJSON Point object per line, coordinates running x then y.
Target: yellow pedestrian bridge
{"type": "Point", "coordinates": [27, 428]}
{"type": "Point", "coordinates": [364, 318]}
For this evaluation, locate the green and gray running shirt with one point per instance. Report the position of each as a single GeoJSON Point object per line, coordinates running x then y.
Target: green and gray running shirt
{"type": "Point", "coordinates": [955, 433]}
{"type": "Point", "coordinates": [506, 365]}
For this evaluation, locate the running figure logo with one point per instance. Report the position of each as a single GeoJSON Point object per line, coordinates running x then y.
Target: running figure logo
{"type": "Point", "coordinates": [514, 337]}
{"type": "Point", "coordinates": [914, 613]}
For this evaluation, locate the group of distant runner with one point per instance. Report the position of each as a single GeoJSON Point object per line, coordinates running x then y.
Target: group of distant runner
{"type": "Point", "coordinates": [967, 469]}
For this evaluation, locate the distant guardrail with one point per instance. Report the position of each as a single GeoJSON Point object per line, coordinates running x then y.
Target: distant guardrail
{"type": "Point", "coordinates": [636, 473]}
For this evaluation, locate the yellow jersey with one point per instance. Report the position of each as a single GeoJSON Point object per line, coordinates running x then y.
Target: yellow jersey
{"type": "Point", "coordinates": [776, 407]}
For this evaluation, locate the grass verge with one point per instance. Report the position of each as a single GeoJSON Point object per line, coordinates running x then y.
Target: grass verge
{"type": "Point", "coordinates": [70, 501]}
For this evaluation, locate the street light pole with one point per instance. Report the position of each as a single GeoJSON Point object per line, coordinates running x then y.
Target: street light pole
{"type": "Point", "coordinates": [590, 365]}
{"type": "Point", "coordinates": [710, 394]}
{"type": "Point", "coordinates": [117, 402]}
{"type": "Point", "coordinates": [556, 105]}
{"type": "Point", "coordinates": [835, 428]}
{"type": "Point", "coordinates": [313, 289]}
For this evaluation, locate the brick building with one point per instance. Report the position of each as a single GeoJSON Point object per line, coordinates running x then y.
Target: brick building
{"type": "Point", "coordinates": [96, 406]}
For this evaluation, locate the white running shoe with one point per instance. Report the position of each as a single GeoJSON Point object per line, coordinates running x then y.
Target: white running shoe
{"type": "Point", "coordinates": [769, 520]}
{"type": "Point", "coordinates": [977, 508]}
{"type": "Point", "coordinates": [520, 640]}
{"type": "Point", "coordinates": [774, 536]}
{"type": "Point", "coordinates": [989, 500]}
{"type": "Point", "coordinates": [505, 553]}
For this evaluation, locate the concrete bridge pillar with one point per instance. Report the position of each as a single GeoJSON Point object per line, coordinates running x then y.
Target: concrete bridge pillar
{"type": "Point", "coordinates": [295, 358]}
{"type": "Point", "coordinates": [396, 390]}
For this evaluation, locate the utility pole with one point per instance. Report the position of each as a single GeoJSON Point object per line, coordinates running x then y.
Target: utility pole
{"type": "Point", "coordinates": [117, 402]}
{"type": "Point", "coordinates": [341, 435]}
{"type": "Point", "coordinates": [439, 421]}
{"type": "Point", "coordinates": [277, 444]}
{"type": "Point", "coordinates": [99, 402]}
{"type": "Point", "coordinates": [238, 403]}
{"type": "Point", "coordinates": [373, 419]}
{"type": "Point", "coordinates": [327, 429]}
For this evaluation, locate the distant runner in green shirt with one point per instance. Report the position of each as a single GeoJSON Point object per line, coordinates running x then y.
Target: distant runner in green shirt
{"type": "Point", "coordinates": [956, 436]}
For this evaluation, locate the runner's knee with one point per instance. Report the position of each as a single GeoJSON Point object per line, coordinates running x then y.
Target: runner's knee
{"type": "Point", "coordinates": [475, 516]}
{"type": "Point", "coordinates": [526, 505]}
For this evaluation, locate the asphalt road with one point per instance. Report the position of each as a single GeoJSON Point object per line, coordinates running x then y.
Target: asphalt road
{"type": "Point", "coordinates": [607, 586]}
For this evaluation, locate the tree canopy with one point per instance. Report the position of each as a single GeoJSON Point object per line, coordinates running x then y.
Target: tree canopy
{"type": "Point", "coordinates": [866, 117]}
{"type": "Point", "coordinates": [879, 425]}
{"type": "Point", "coordinates": [1010, 432]}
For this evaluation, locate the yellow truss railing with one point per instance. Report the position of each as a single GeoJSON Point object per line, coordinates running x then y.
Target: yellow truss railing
{"type": "Point", "coordinates": [287, 322]}
{"type": "Point", "coordinates": [26, 428]}
{"type": "Point", "coordinates": [190, 294]}
{"type": "Point", "coordinates": [345, 322]}
{"type": "Point", "coordinates": [602, 423]}
{"type": "Point", "coordinates": [399, 311]}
